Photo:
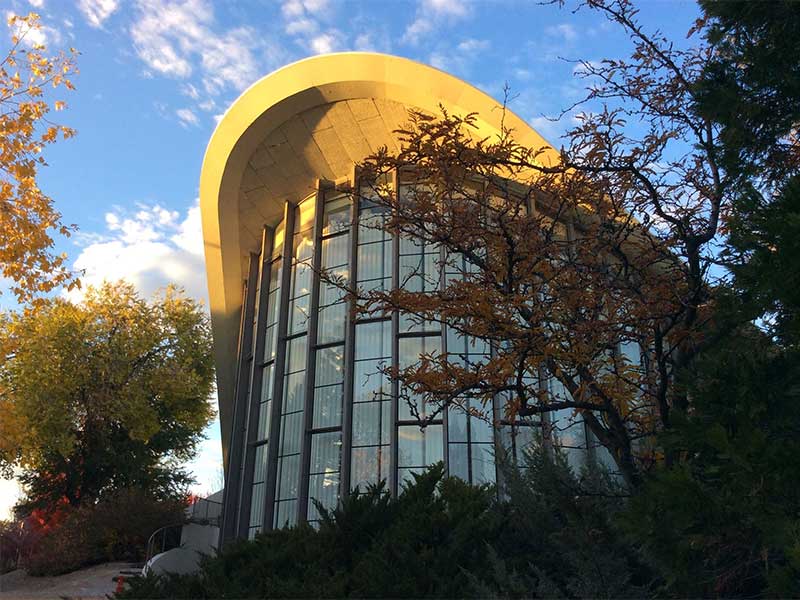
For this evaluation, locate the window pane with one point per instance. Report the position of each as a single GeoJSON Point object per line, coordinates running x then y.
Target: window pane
{"type": "Point", "coordinates": [257, 506]}
{"type": "Point", "coordinates": [335, 251]}
{"type": "Point", "coordinates": [289, 477]}
{"type": "Point", "coordinates": [326, 452]}
{"type": "Point", "coordinates": [286, 513]}
{"type": "Point", "coordinates": [291, 434]}
{"type": "Point", "coordinates": [457, 465]}
{"type": "Point", "coordinates": [296, 354]}
{"type": "Point", "coordinates": [332, 321]}
{"type": "Point", "coordinates": [367, 424]}
{"type": "Point", "coordinates": [369, 383]}
{"type": "Point", "coordinates": [373, 340]}
{"type": "Point", "coordinates": [325, 489]}
{"type": "Point", "coordinates": [330, 365]}
{"type": "Point", "coordinates": [483, 469]}
{"type": "Point", "coordinates": [419, 448]}
{"type": "Point", "coordinates": [336, 216]}
{"type": "Point", "coordinates": [328, 406]}
{"type": "Point", "coordinates": [456, 424]}
{"type": "Point", "coordinates": [294, 393]}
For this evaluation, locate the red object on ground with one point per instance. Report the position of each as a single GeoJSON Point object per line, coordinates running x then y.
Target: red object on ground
{"type": "Point", "coordinates": [120, 584]}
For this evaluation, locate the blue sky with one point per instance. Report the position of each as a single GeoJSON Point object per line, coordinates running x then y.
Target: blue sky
{"type": "Point", "coordinates": [156, 75]}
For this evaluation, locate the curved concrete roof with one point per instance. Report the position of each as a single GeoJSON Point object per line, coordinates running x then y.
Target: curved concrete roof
{"type": "Point", "coordinates": [313, 118]}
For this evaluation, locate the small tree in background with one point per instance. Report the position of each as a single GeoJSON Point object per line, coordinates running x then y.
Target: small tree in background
{"type": "Point", "coordinates": [108, 393]}
{"type": "Point", "coordinates": [27, 217]}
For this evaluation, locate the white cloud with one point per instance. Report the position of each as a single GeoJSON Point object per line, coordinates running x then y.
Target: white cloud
{"type": "Point", "coordinates": [150, 249]}
{"type": "Point", "coordinates": [187, 117]}
{"type": "Point", "coordinates": [472, 45]}
{"type": "Point", "coordinates": [179, 38]}
{"type": "Point", "coordinates": [39, 36]}
{"type": "Point", "coordinates": [565, 31]}
{"type": "Point", "coordinates": [97, 11]}
{"type": "Point", "coordinates": [302, 23]}
{"type": "Point", "coordinates": [36, 3]}
{"type": "Point", "coordinates": [432, 13]}
{"type": "Point", "coordinates": [324, 43]}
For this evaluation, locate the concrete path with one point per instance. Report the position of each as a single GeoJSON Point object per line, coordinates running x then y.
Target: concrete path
{"type": "Point", "coordinates": [90, 583]}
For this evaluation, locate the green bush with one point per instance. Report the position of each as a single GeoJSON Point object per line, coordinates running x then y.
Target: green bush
{"type": "Point", "coordinates": [115, 528]}
{"type": "Point", "coordinates": [440, 538]}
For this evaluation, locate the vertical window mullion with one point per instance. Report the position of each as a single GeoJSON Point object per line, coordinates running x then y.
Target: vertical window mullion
{"type": "Point", "coordinates": [349, 348]}
{"type": "Point", "coordinates": [393, 431]}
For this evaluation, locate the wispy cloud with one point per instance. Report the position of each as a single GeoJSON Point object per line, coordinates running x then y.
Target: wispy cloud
{"type": "Point", "coordinates": [187, 117]}
{"type": "Point", "coordinates": [302, 23]}
{"type": "Point", "coordinates": [563, 31]}
{"type": "Point", "coordinates": [181, 39]}
{"type": "Point", "coordinates": [432, 13]}
{"type": "Point", "coordinates": [97, 11]}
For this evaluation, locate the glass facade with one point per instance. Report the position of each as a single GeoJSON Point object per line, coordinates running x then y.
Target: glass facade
{"type": "Point", "coordinates": [323, 415]}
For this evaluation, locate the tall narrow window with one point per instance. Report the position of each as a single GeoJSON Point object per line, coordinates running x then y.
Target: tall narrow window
{"type": "Point", "coordinates": [291, 427]}
{"type": "Point", "coordinates": [326, 424]}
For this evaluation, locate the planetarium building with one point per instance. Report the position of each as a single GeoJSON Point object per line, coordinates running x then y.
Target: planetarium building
{"type": "Point", "coordinates": [306, 409]}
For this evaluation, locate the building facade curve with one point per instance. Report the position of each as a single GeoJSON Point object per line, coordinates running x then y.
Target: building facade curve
{"type": "Point", "coordinates": [305, 410]}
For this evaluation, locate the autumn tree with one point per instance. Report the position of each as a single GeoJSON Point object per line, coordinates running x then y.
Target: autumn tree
{"type": "Point", "coordinates": [28, 78]}
{"type": "Point", "coordinates": [103, 394]}
{"type": "Point", "coordinates": [591, 279]}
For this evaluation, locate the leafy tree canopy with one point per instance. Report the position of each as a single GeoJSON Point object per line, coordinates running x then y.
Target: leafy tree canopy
{"type": "Point", "coordinates": [108, 392]}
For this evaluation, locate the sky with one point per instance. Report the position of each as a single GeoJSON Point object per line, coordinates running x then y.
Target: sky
{"type": "Point", "coordinates": [157, 75]}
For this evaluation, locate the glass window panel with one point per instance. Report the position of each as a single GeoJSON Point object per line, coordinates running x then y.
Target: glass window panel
{"type": "Point", "coordinates": [373, 340]}
{"type": "Point", "coordinates": [303, 245]}
{"type": "Point", "coordinates": [269, 342]}
{"type": "Point", "coordinates": [369, 383]}
{"type": "Point", "coordinates": [257, 506]}
{"type": "Point", "coordinates": [386, 422]}
{"type": "Point", "coordinates": [483, 464]}
{"type": "Point", "coordinates": [286, 513]}
{"type": "Point", "coordinates": [374, 261]}
{"type": "Point", "coordinates": [367, 424]}
{"type": "Point", "coordinates": [371, 220]}
{"type": "Point", "coordinates": [369, 466]}
{"type": "Point", "coordinates": [291, 435]}
{"type": "Point", "coordinates": [330, 365]}
{"type": "Point", "coordinates": [325, 489]}
{"type": "Point", "coordinates": [480, 428]}
{"type": "Point", "coordinates": [296, 354]}
{"type": "Point", "coordinates": [298, 314]}
{"type": "Point", "coordinates": [328, 406]}
{"type": "Point", "coordinates": [260, 464]}
{"type": "Point", "coordinates": [326, 451]}
{"type": "Point", "coordinates": [277, 239]}
{"type": "Point", "coordinates": [289, 477]}
{"type": "Point", "coordinates": [336, 216]}
{"type": "Point", "coordinates": [456, 424]}
{"type": "Point", "coordinates": [267, 382]}
{"type": "Point", "coordinates": [264, 410]}
{"type": "Point", "coordinates": [458, 461]}
{"type": "Point", "coordinates": [301, 284]}
{"type": "Point", "coordinates": [332, 322]}
{"type": "Point", "coordinates": [330, 293]}
{"type": "Point", "coordinates": [304, 216]}
{"type": "Point", "coordinates": [419, 447]}
{"type": "Point", "coordinates": [335, 251]}
{"type": "Point", "coordinates": [294, 392]}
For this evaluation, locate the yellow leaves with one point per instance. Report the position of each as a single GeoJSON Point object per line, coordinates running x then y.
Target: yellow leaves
{"type": "Point", "coordinates": [28, 217]}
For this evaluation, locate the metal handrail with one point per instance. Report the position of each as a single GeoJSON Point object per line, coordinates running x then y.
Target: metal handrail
{"type": "Point", "coordinates": [162, 531]}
